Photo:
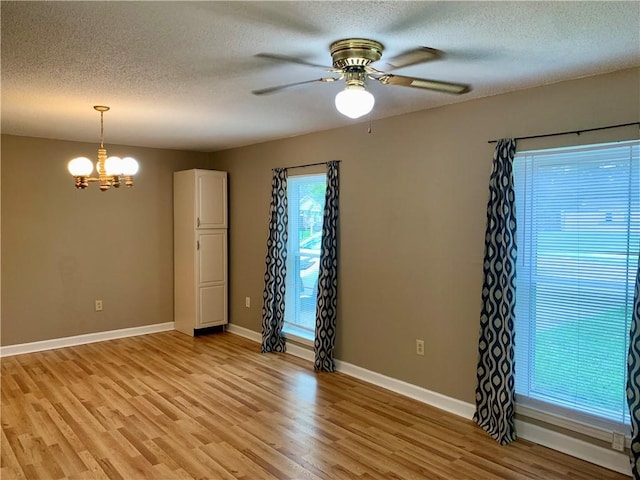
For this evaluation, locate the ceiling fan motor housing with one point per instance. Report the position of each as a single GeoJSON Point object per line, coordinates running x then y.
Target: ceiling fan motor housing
{"type": "Point", "coordinates": [355, 52]}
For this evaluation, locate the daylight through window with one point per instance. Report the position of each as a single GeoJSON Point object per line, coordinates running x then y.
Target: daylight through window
{"type": "Point", "coordinates": [305, 195]}
{"type": "Point", "coordinates": [578, 235]}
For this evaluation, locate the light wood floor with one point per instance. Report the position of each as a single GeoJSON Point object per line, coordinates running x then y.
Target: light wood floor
{"type": "Point", "coordinates": [168, 406]}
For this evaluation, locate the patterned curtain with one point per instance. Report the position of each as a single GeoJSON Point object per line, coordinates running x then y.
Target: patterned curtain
{"type": "Point", "coordinates": [633, 381]}
{"type": "Point", "coordinates": [327, 299]}
{"type": "Point", "coordinates": [276, 267]}
{"type": "Point", "coordinates": [495, 391]}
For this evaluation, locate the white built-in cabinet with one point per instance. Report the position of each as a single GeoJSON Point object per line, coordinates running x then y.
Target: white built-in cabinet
{"type": "Point", "coordinates": [200, 249]}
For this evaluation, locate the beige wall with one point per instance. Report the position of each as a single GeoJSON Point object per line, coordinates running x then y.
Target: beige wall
{"type": "Point", "coordinates": [413, 199]}
{"type": "Point", "coordinates": [62, 248]}
{"type": "Point", "coordinates": [412, 219]}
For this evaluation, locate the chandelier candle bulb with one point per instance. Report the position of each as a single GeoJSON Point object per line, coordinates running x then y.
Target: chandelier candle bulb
{"type": "Point", "coordinates": [113, 166]}
{"type": "Point", "coordinates": [109, 169]}
{"type": "Point", "coordinates": [129, 166]}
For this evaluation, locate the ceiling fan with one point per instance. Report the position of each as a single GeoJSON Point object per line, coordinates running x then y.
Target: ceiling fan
{"type": "Point", "coordinates": [352, 59]}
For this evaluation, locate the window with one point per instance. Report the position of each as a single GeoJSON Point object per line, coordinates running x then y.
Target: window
{"type": "Point", "coordinates": [305, 196]}
{"type": "Point", "coordinates": [578, 214]}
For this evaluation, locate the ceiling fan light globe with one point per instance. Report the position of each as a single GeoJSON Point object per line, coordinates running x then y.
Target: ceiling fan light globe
{"type": "Point", "coordinates": [354, 101]}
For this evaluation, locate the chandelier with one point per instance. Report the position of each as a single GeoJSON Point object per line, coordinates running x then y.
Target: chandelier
{"type": "Point", "coordinates": [111, 171]}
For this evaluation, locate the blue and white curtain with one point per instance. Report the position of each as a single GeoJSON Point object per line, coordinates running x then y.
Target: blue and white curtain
{"type": "Point", "coordinates": [276, 267]}
{"type": "Point", "coordinates": [327, 299]}
{"type": "Point", "coordinates": [495, 391]}
{"type": "Point", "coordinates": [633, 381]}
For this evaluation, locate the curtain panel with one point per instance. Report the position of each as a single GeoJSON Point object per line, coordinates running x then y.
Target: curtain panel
{"type": "Point", "coordinates": [327, 298]}
{"type": "Point", "coordinates": [633, 381]}
{"type": "Point", "coordinates": [495, 391]}
{"type": "Point", "coordinates": [276, 267]}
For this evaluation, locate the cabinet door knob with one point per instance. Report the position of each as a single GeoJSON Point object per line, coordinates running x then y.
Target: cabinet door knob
{"type": "Point", "coordinates": [198, 222]}
{"type": "Point", "coordinates": [198, 245]}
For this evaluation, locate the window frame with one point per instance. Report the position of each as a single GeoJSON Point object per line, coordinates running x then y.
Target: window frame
{"type": "Point", "coordinates": [547, 412]}
{"type": "Point", "coordinates": [290, 329]}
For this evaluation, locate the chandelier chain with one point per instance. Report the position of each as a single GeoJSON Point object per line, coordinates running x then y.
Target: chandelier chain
{"type": "Point", "coordinates": [101, 129]}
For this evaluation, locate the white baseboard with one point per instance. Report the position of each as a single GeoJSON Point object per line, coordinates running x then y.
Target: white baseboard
{"type": "Point", "coordinates": [604, 457]}
{"type": "Point", "coordinates": [448, 404]}
{"type": "Point", "coordinates": [10, 350]}
{"type": "Point", "coordinates": [244, 332]}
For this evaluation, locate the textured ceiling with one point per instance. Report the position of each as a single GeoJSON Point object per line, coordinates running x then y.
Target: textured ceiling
{"type": "Point", "coordinates": [180, 74]}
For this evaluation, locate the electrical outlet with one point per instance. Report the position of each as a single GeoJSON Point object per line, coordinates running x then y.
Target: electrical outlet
{"type": "Point", "coordinates": [247, 302]}
{"type": "Point", "coordinates": [419, 347]}
{"type": "Point", "coordinates": [617, 441]}
{"type": "Point", "coordinates": [98, 305]}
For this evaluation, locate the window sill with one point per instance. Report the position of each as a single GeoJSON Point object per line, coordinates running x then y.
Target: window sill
{"type": "Point", "coordinates": [299, 335]}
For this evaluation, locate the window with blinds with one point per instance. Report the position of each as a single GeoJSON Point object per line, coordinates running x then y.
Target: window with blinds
{"type": "Point", "coordinates": [578, 236]}
{"type": "Point", "coordinates": [305, 196]}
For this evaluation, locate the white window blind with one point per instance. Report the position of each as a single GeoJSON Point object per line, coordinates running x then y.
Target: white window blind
{"type": "Point", "coordinates": [578, 234]}
{"type": "Point", "coordinates": [305, 196]}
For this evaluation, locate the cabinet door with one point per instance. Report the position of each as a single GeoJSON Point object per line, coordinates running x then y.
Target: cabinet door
{"type": "Point", "coordinates": [212, 278]}
{"type": "Point", "coordinates": [211, 200]}
{"type": "Point", "coordinates": [212, 257]}
{"type": "Point", "coordinates": [212, 306]}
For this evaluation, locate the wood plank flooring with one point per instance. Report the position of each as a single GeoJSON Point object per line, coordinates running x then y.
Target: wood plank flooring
{"type": "Point", "coordinates": [169, 406]}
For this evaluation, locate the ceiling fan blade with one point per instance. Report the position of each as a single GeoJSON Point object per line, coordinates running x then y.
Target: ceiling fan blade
{"type": "Point", "coordinates": [285, 58]}
{"type": "Point", "coordinates": [267, 91]}
{"type": "Point", "coordinates": [446, 87]}
{"type": "Point", "coordinates": [412, 57]}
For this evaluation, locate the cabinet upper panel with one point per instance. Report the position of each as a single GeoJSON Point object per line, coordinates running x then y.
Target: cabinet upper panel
{"type": "Point", "coordinates": [211, 199]}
